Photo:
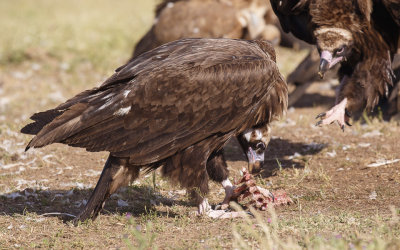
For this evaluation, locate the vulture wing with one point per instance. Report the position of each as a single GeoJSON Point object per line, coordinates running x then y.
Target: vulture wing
{"type": "Point", "coordinates": [166, 100]}
{"type": "Point", "coordinates": [294, 17]}
{"type": "Point", "coordinates": [393, 7]}
{"type": "Point", "coordinates": [386, 19]}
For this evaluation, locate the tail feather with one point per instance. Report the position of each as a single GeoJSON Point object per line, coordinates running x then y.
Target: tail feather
{"type": "Point", "coordinates": [57, 124]}
{"type": "Point", "coordinates": [59, 128]}
{"type": "Point", "coordinates": [40, 119]}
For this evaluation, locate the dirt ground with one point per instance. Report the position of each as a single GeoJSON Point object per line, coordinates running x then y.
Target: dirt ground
{"type": "Point", "coordinates": [346, 185]}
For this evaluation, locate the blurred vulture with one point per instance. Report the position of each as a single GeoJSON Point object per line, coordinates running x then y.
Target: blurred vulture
{"type": "Point", "coordinates": [241, 19]}
{"type": "Point", "coordinates": [306, 73]}
{"type": "Point", "coordinates": [361, 35]}
{"type": "Point", "coordinates": [173, 107]}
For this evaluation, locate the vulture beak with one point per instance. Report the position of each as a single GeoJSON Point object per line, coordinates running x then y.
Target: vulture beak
{"type": "Point", "coordinates": [327, 62]}
{"type": "Point", "coordinates": [323, 67]}
{"type": "Point", "coordinates": [255, 155]}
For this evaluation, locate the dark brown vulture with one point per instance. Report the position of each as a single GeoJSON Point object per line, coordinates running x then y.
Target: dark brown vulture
{"type": "Point", "coordinates": [361, 35]}
{"type": "Point", "coordinates": [240, 19]}
{"type": "Point", "coordinates": [172, 107]}
{"type": "Point", "coordinates": [306, 73]}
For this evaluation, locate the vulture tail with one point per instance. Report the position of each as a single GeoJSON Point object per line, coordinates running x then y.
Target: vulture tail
{"type": "Point", "coordinates": [53, 125]}
{"type": "Point", "coordinates": [41, 120]}
{"type": "Point", "coordinates": [116, 173]}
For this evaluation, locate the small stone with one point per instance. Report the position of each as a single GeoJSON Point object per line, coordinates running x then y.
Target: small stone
{"type": "Point", "coordinates": [372, 195]}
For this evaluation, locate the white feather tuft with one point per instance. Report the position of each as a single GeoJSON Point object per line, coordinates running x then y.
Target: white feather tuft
{"type": "Point", "coordinates": [122, 111]}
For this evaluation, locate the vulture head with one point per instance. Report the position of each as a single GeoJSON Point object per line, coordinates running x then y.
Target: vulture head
{"type": "Point", "coordinates": [334, 45]}
{"type": "Point", "coordinates": [254, 142]}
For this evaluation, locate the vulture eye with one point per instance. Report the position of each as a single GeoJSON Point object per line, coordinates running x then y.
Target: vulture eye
{"type": "Point", "coordinates": [260, 146]}
{"type": "Point", "coordinates": [340, 51]}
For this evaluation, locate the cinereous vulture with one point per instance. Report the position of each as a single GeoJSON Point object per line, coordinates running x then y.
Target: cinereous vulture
{"type": "Point", "coordinates": [173, 107]}
{"type": "Point", "coordinates": [361, 35]}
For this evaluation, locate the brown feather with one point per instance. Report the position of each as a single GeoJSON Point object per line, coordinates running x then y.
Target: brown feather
{"type": "Point", "coordinates": [365, 7]}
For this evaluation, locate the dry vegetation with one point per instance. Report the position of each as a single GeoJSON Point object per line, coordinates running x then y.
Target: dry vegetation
{"type": "Point", "coordinates": [53, 49]}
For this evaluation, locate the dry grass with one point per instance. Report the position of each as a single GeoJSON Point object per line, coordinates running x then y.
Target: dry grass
{"type": "Point", "coordinates": [53, 49]}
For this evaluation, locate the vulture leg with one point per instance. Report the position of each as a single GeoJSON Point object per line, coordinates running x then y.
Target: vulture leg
{"type": "Point", "coordinates": [217, 170]}
{"type": "Point", "coordinates": [338, 113]}
{"type": "Point", "coordinates": [116, 173]}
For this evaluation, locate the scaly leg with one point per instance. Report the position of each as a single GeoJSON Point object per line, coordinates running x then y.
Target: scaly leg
{"type": "Point", "coordinates": [217, 170]}
{"type": "Point", "coordinates": [227, 185]}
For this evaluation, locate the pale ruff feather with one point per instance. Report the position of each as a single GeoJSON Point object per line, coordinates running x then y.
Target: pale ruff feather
{"type": "Point", "coordinates": [249, 132]}
{"type": "Point", "coordinates": [345, 33]}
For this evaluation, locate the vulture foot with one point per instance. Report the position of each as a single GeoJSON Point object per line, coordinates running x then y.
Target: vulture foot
{"type": "Point", "coordinates": [205, 209]}
{"type": "Point", "coordinates": [224, 214]}
{"type": "Point", "coordinates": [338, 113]}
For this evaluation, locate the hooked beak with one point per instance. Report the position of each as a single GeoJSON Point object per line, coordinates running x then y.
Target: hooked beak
{"type": "Point", "coordinates": [255, 155]}
{"type": "Point", "coordinates": [323, 67]}
{"type": "Point", "coordinates": [327, 62]}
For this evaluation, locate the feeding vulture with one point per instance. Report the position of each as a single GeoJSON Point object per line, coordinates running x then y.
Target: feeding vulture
{"type": "Point", "coordinates": [173, 107]}
{"type": "Point", "coordinates": [361, 35]}
{"type": "Point", "coordinates": [241, 19]}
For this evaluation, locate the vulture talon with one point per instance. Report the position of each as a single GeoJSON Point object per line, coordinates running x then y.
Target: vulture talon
{"type": "Point", "coordinates": [321, 115]}
{"type": "Point", "coordinates": [250, 213]}
{"type": "Point", "coordinates": [318, 124]}
{"type": "Point", "coordinates": [342, 127]}
{"type": "Point", "coordinates": [272, 196]}
{"type": "Point", "coordinates": [348, 124]}
{"type": "Point", "coordinates": [348, 113]}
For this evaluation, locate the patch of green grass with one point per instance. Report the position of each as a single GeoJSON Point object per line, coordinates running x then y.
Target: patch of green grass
{"type": "Point", "coordinates": [73, 32]}
{"type": "Point", "coordinates": [143, 237]}
{"type": "Point", "coordinates": [345, 230]}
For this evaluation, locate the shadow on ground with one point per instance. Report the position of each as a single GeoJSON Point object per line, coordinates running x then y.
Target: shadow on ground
{"type": "Point", "coordinates": [280, 153]}
{"type": "Point", "coordinates": [63, 203]}
{"type": "Point", "coordinates": [140, 200]}
{"type": "Point", "coordinates": [312, 100]}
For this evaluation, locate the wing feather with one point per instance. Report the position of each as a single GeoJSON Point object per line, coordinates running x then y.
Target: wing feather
{"type": "Point", "coordinates": [294, 17]}
{"type": "Point", "coordinates": [393, 7]}
{"type": "Point", "coordinates": [175, 97]}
